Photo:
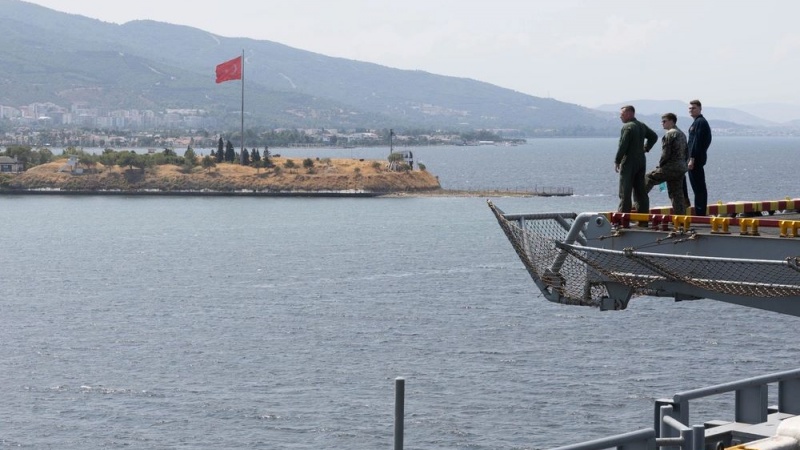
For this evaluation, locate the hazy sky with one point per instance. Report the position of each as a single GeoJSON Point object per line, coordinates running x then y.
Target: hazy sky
{"type": "Point", "coordinates": [724, 52]}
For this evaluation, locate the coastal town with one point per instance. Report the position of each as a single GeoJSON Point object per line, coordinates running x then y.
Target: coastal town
{"type": "Point", "coordinates": [50, 125]}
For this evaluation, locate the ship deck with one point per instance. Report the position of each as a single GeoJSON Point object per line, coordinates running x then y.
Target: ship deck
{"type": "Point", "coordinates": [775, 218]}
{"type": "Point", "coordinates": [605, 259]}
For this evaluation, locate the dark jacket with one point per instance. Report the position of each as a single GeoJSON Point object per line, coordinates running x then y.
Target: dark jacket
{"type": "Point", "coordinates": [699, 140]}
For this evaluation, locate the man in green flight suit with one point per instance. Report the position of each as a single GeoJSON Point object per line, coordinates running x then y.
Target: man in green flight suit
{"type": "Point", "coordinates": [630, 161]}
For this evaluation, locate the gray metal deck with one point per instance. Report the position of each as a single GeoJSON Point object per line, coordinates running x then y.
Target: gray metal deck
{"type": "Point", "coordinates": [606, 259]}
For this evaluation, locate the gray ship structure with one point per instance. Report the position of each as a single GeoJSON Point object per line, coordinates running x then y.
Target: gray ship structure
{"type": "Point", "coordinates": [744, 253]}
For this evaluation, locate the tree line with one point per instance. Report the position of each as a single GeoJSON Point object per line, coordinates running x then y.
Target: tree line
{"type": "Point", "coordinates": [225, 153]}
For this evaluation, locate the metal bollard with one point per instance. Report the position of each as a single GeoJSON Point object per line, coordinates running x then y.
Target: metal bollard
{"type": "Point", "coordinates": [720, 225]}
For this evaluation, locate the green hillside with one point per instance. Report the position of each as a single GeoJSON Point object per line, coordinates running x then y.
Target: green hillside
{"type": "Point", "coordinates": [48, 56]}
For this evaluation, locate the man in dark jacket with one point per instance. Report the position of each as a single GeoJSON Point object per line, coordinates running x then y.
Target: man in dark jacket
{"type": "Point", "coordinates": [630, 161]}
{"type": "Point", "coordinates": [696, 156]}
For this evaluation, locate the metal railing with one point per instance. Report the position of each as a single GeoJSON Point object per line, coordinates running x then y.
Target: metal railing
{"type": "Point", "coordinates": [751, 397]}
{"type": "Point", "coordinates": [636, 440]}
{"type": "Point", "coordinates": [671, 416]}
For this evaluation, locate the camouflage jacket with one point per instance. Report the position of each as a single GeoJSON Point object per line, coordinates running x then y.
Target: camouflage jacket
{"type": "Point", "coordinates": [673, 151]}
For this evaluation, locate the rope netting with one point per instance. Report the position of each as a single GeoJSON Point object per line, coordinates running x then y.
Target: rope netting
{"type": "Point", "coordinates": [747, 278]}
{"type": "Point", "coordinates": [538, 240]}
{"type": "Point", "coordinates": [533, 237]}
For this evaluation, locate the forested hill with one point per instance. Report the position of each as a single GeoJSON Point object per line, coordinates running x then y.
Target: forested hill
{"type": "Point", "coordinates": [49, 56]}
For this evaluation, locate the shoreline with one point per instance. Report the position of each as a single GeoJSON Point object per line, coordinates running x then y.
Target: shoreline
{"type": "Point", "coordinates": [318, 194]}
{"type": "Point", "coordinates": [342, 178]}
{"type": "Point", "coordinates": [478, 193]}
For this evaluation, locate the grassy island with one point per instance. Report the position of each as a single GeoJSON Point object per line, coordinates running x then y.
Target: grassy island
{"type": "Point", "coordinates": [286, 176]}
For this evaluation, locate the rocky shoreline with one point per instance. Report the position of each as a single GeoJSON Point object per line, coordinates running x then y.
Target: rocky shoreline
{"type": "Point", "coordinates": [331, 194]}
{"type": "Point", "coordinates": [201, 193]}
{"type": "Point", "coordinates": [354, 178]}
{"type": "Point", "coordinates": [331, 178]}
{"type": "Point", "coordinates": [351, 178]}
{"type": "Point", "coordinates": [479, 193]}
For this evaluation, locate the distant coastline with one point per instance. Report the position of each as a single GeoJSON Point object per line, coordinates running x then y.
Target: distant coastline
{"type": "Point", "coordinates": [322, 194]}
{"type": "Point", "coordinates": [200, 193]}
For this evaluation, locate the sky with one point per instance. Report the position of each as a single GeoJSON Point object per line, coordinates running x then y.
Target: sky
{"type": "Point", "coordinates": [727, 53]}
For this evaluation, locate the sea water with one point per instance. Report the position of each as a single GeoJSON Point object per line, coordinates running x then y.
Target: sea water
{"type": "Point", "coordinates": [282, 323]}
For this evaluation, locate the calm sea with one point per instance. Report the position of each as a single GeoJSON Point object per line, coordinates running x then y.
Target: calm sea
{"type": "Point", "coordinates": [276, 323]}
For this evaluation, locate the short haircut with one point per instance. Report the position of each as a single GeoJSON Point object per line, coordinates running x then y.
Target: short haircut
{"type": "Point", "coordinates": [629, 108]}
{"type": "Point", "coordinates": [697, 103]}
{"type": "Point", "coordinates": [671, 117]}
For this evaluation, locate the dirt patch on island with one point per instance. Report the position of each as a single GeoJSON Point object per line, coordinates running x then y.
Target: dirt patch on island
{"type": "Point", "coordinates": [323, 176]}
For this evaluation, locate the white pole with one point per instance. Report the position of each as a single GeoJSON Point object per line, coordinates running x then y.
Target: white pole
{"type": "Point", "coordinates": [241, 153]}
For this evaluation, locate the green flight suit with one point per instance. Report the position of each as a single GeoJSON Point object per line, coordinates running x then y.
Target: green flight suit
{"type": "Point", "coordinates": [633, 163]}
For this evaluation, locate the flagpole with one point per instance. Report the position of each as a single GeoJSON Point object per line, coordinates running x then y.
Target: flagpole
{"type": "Point", "coordinates": [241, 154]}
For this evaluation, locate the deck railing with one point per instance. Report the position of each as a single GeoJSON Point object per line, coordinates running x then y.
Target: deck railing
{"type": "Point", "coordinates": [671, 417]}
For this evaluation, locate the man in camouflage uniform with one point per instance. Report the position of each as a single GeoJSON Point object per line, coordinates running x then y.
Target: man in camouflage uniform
{"type": "Point", "coordinates": [672, 165]}
{"type": "Point", "coordinates": [630, 161]}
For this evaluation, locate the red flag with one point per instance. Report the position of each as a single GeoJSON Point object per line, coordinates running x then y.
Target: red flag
{"type": "Point", "coordinates": [230, 70]}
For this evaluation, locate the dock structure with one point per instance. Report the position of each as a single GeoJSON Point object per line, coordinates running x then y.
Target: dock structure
{"type": "Point", "coordinates": [553, 191]}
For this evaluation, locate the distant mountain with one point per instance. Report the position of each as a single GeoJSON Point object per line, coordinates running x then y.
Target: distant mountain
{"type": "Point", "coordinates": [784, 113]}
{"type": "Point", "coordinates": [714, 114]}
{"type": "Point", "coordinates": [48, 56]}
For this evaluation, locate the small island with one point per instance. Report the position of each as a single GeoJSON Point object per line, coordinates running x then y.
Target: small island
{"type": "Point", "coordinates": [27, 171]}
{"type": "Point", "coordinates": [162, 174]}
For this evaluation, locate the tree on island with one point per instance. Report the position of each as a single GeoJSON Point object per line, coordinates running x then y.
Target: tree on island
{"type": "Point", "coordinates": [190, 157]}
{"type": "Point", "coordinates": [131, 159]}
{"type": "Point", "coordinates": [230, 153]}
{"type": "Point", "coordinates": [208, 163]}
{"type": "Point", "coordinates": [90, 162]}
{"type": "Point", "coordinates": [27, 156]}
{"type": "Point", "coordinates": [267, 161]}
{"type": "Point", "coordinates": [257, 165]}
{"type": "Point", "coordinates": [220, 150]}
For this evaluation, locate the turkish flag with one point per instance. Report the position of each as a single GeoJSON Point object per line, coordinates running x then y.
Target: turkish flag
{"type": "Point", "coordinates": [230, 70]}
